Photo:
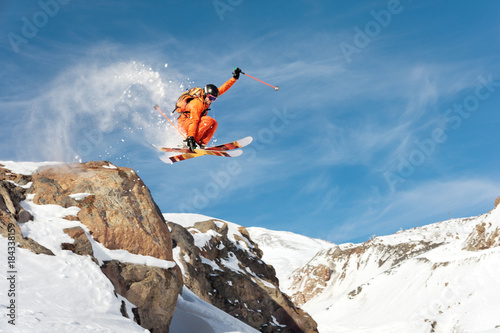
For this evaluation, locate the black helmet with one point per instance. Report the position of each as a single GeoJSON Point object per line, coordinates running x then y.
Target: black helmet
{"type": "Point", "coordinates": [211, 89]}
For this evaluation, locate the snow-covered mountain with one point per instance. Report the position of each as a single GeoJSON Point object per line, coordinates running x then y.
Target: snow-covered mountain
{"type": "Point", "coordinates": [443, 277]}
{"type": "Point", "coordinates": [286, 251]}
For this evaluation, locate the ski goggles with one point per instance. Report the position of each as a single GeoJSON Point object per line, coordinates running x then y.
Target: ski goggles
{"type": "Point", "coordinates": [212, 97]}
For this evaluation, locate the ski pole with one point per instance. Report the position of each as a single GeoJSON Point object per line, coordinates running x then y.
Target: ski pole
{"type": "Point", "coordinates": [270, 85]}
{"type": "Point", "coordinates": [158, 108]}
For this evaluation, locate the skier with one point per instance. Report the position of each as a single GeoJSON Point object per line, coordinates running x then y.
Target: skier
{"type": "Point", "coordinates": [193, 120]}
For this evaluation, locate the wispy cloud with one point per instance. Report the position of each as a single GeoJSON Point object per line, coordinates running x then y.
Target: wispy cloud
{"type": "Point", "coordinates": [427, 202]}
{"type": "Point", "coordinates": [321, 192]}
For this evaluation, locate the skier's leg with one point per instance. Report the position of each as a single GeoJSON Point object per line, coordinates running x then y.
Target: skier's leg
{"type": "Point", "coordinates": [206, 130]}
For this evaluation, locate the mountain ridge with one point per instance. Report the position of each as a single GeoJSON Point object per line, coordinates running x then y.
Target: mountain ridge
{"type": "Point", "coordinates": [345, 287]}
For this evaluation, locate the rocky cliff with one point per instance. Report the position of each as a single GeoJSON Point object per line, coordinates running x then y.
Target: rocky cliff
{"type": "Point", "coordinates": [108, 215]}
{"type": "Point", "coordinates": [224, 267]}
{"type": "Point", "coordinates": [116, 210]}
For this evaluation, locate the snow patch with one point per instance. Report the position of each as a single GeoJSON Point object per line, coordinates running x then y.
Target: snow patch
{"type": "Point", "coordinates": [79, 196]}
{"type": "Point", "coordinates": [26, 168]}
{"type": "Point", "coordinates": [110, 166]}
{"type": "Point", "coordinates": [27, 186]}
{"type": "Point", "coordinates": [62, 293]}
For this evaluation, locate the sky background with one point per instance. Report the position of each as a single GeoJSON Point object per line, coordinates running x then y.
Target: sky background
{"type": "Point", "coordinates": [387, 115]}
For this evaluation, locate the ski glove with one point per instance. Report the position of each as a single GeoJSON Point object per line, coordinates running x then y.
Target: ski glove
{"type": "Point", "coordinates": [236, 73]}
{"type": "Point", "coordinates": [191, 143]}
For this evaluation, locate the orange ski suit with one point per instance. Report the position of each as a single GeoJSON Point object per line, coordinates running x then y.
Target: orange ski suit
{"type": "Point", "coordinates": [194, 120]}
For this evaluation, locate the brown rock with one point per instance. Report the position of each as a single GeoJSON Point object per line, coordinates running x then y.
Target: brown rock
{"type": "Point", "coordinates": [120, 212]}
{"type": "Point", "coordinates": [153, 290]}
{"type": "Point", "coordinates": [484, 236]}
{"type": "Point", "coordinates": [6, 174]}
{"type": "Point", "coordinates": [81, 245]}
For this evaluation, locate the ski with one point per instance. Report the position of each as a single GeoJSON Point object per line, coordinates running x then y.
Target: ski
{"type": "Point", "coordinates": [223, 147]}
{"type": "Point", "coordinates": [232, 145]}
{"type": "Point", "coordinates": [201, 152]}
{"type": "Point", "coordinates": [226, 150]}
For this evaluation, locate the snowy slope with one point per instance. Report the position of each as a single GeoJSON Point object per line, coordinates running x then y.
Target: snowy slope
{"type": "Point", "coordinates": [419, 280]}
{"type": "Point", "coordinates": [286, 251]}
{"type": "Point", "coordinates": [195, 315]}
{"type": "Point", "coordinates": [65, 292]}
{"type": "Point", "coordinates": [436, 286]}
{"type": "Point", "coordinates": [417, 296]}
{"type": "Point", "coordinates": [69, 293]}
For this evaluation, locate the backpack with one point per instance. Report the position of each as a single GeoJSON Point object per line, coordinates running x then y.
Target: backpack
{"type": "Point", "coordinates": [187, 97]}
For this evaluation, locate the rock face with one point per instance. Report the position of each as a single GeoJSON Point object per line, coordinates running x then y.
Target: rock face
{"type": "Point", "coordinates": [81, 244]}
{"type": "Point", "coordinates": [12, 213]}
{"type": "Point", "coordinates": [119, 212]}
{"type": "Point", "coordinates": [151, 289]}
{"type": "Point", "coordinates": [223, 266]}
{"type": "Point", "coordinates": [486, 235]}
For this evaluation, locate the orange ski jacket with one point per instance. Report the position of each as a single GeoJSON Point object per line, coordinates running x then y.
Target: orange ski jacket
{"type": "Point", "coordinates": [196, 108]}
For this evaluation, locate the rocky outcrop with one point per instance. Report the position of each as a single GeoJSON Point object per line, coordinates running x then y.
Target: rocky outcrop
{"type": "Point", "coordinates": [81, 244]}
{"type": "Point", "coordinates": [486, 235]}
{"type": "Point", "coordinates": [152, 289]}
{"type": "Point", "coordinates": [119, 212]}
{"type": "Point", "coordinates": [223, 266]}
{"type": "Point", "coordinates": [12, 192]}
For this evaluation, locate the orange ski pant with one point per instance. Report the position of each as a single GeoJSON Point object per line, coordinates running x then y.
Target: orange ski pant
{"type": "Point", "coordinates": [205, 131]}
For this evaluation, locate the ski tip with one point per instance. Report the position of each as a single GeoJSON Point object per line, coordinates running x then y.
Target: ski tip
{"type": "Point", "coordinates": [245, 141]}
{"type": "Point", "coordinates": [235, 153]}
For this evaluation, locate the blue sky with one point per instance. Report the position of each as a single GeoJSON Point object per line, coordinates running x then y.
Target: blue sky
{"type": "Point", "coordinates": [387, 115]}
